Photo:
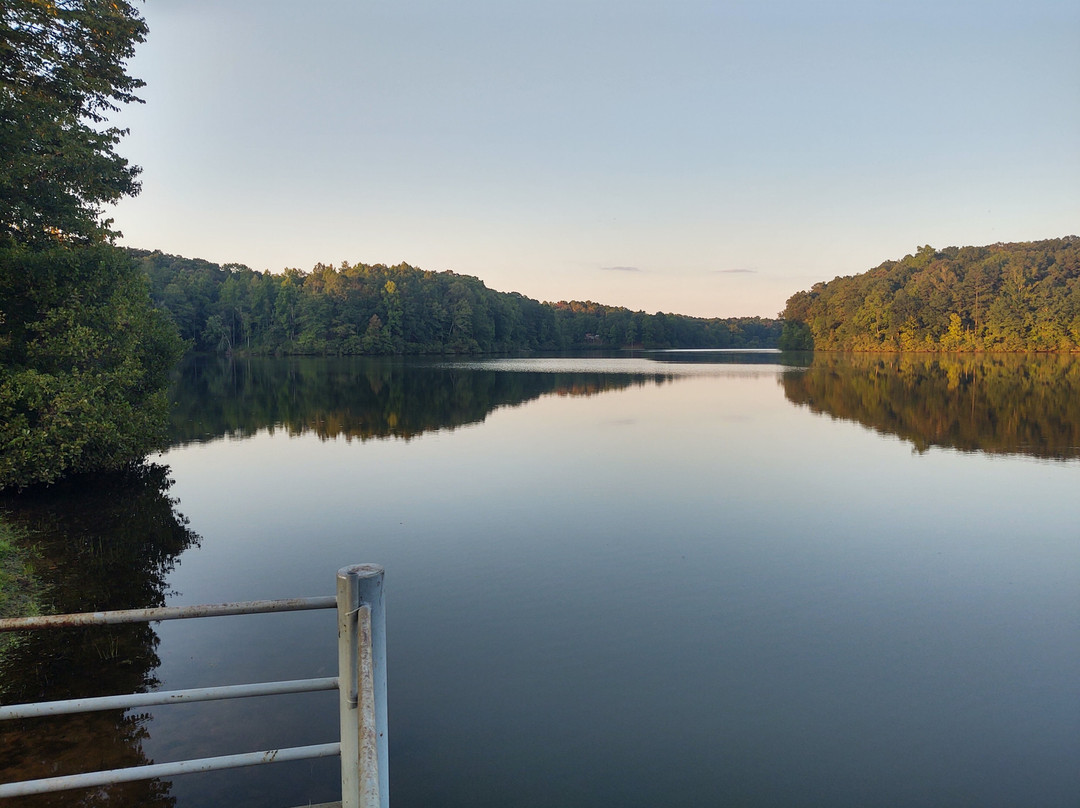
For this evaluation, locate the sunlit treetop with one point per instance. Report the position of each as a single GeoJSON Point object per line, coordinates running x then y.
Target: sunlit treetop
{"type": "Point", "coordinates": [62, 73]}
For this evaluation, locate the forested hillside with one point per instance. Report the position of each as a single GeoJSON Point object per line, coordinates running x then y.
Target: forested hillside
{"type": "Point", "coordinates": [375, 309]}
{"type": "Point", "coordinates": [1003, 297]}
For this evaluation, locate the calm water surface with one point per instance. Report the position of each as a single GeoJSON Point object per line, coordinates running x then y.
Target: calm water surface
{"type": "Point", "coordinates": [671, 579]}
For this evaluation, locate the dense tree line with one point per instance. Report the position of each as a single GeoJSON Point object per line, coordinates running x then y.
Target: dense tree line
{"type": "Point", "coordinates": [1003, 297]}
{"type": "Point", "coordinates": [84, 356]}
{"type": "Point", "coordinates": [587, 324]}
{"type": "Point", "coordinates": [376, 309]}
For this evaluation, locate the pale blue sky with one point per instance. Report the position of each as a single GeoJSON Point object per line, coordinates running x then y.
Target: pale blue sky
{"type": "Point", "coordinates": [707, 158]}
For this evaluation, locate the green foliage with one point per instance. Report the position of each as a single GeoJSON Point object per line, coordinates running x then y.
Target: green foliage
{"type": "Point", "coordinates": [375, 309]}
{"type": "Point", "coordinates": [84, 356]}
{"type": "Point", "coordinates": [61, 72]}
{"type": "Point", "coordinates": [796, 336]}
{"type": "Point", "coordinates": [587, 324]}
{"type": "Point", "coordinates": [20, 589]}
{"type": "Point", "coordinates": [84, 362]}
{"type": "Point", "coordinates": [1004, 297]}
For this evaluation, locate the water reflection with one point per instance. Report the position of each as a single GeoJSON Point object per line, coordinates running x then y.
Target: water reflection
{"type": "Point", "coordinates": [1002, 404]}
{"type": "Point", "coordinates": [365, 398]}
{"type": "Point", "coordinates": [102, 542]}
{"type": "Point", "coordinates": [730, 356]}
{"type": "Point", "coordinates": [360, 398]}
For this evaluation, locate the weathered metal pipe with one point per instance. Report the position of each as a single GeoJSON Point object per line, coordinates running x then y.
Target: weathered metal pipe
{"type": "Point", "coordinates": [129, 700]}
{"type": "Point", "coordinates": [94, 779]}
{"type": "Point", "coordinates": [165, 613]}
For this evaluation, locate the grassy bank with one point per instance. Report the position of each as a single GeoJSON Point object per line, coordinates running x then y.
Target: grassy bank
{"type": "Point", "coordinates": [19, 589]}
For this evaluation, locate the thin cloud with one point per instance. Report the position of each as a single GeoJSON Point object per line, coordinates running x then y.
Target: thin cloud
{"type": "Point", "coordinates": [620, 269]}
{"type": "Point", "coordinates": [735, 271]}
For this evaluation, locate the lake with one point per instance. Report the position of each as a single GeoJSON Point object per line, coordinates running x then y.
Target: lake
{"type": "Point", "coordinates": [660, 578]}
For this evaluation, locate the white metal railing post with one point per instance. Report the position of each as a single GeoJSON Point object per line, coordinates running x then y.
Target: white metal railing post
{"type": "Point", "coordinates": [365, 780]}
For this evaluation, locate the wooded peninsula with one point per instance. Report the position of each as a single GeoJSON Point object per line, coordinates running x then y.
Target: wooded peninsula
{"type": "Point", "coordinates": [1003, 297]}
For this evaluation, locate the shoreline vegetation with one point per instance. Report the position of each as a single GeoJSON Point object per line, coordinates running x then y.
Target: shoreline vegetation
{"type": "Point", "coordinates": [374, 309]}
{"type": "Point", "coordinates": [20, 590]}
{"type": "Point", "coordinates": [85, 357]}
{"type": "Point", "coordinates": [1001, 298]}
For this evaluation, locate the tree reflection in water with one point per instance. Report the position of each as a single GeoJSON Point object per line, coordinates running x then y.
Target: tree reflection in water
{"type": "Point", "coordinates": [105, 541]}
{"type": "Point", "coordinates": [999, 404]}
{"type": "Point", "coordinates": [357, 398]}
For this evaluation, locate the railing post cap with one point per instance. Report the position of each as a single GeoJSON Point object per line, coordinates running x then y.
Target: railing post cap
{"type": "Point", "coordinates": [361, 571]}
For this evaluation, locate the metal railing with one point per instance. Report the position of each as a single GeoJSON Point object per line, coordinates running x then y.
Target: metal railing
{"type": "Point", "coordinates": [361, 685]}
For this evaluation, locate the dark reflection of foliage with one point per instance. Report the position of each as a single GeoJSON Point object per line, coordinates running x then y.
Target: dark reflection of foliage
{"type": "Point", "coordinates": [1004, 404]}
{"type": "Point", "coordinates": [104, 541]}
{"type": "Point", "coordinates": [357, 398]}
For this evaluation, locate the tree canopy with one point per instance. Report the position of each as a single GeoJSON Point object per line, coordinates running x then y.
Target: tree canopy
{"type": "Point", "coordinates": [84, 363]}
{"type": "Point", "coordinates": [62, 71]}
{"type": "Point", "coordinates": [84, 355]}
{"type": "Point", "coordinates": [1002, 297]}
{"type": "Point", "coordinates": [378, 309]}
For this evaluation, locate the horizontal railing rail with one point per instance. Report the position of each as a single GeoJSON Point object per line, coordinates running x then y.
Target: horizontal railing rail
{"type": "Point", "coordinates": [159, 697]}
{"type": "Point", "coordinates": [50, 621]}
{"type": "Point", "coordinates": [362, 699]}
{"type": "Point", "coordinates": [25, 788]}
